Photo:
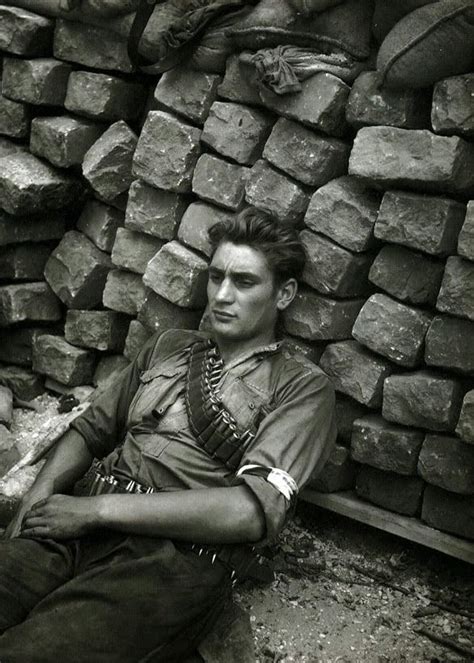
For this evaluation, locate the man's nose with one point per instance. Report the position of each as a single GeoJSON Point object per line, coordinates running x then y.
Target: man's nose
{"type": "Point", "coordinates": [224, 292]}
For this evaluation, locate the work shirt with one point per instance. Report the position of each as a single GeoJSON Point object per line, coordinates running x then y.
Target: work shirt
{"type": "Point", "coordinates": [139, 425]}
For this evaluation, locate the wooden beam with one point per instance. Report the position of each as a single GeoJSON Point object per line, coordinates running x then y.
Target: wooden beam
{"type": "Point", "coordinates": [348, 504]}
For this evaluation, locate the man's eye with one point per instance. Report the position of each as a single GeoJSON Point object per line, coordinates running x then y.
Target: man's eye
{"type": "Point", "coordinates": [245, 283]}
{"type": "Point", "coordinates": [215, 278]}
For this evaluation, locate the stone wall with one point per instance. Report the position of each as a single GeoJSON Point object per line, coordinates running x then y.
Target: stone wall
{"type": "Point", "coordinates": [109, 180]}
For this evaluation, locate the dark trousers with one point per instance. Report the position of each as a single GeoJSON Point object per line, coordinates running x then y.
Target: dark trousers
{"type": "Point", "coordinates": [107, 598]}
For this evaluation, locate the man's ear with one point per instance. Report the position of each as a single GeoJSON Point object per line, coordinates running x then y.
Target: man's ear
{"type": "Point", "coordinates": [286, 294]}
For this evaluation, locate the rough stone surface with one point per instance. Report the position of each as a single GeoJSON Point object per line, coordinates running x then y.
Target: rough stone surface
{"type": "Point", "coordinates": [157, 314]}
{"type": "Point", "coordinates": [345, 210]}
{"type": "Point", "coordinates": [236, 131]}
{"type": "Point", "coordinates": [28, 301]}
{"type": "Point", "coordinates": [100, 330]}
{"type": "Point", "coordinates": [28, 185]}
{"type": "Point", "coordinates": [275, 193]}
{"type": "Point", "coordinates": [338, 473]}
{"type": "Point", "coordinates": [407, 275]}
{"type": "Point", "coordinates": [8, 147]}
{"type": "Point", "coordinates": [133, 250]}
{"type": "Point", "coordinates": [25, 33]}
{"type": "Point", "coordinates": [41, 81]}
{"type": "Point", "coordinates": [40, 228]}
{"type": "Point", "coordinates": [108, 370]}
{"type": "Point", "coordinates": [451, 112]}
{"type": "Point", "coordinates": [55, 357]}
{"type": "Point", "coordinates": [167, 152]}
{"type": "Point", "coordinates": [179, 275]}
{"type": "Point", "coordinates": [423, 399]}
{"type": "Point", "coordinates": [318, 318]}
{"type": "Point", "coordinates": [196, 221]}
{"type": "Point", "coordinates": [321, 104]}
{"type": "Point", "coordinates": [369, 104]}
{"type": "Point", "coordinates": [187, 92]}
{"type": "Point", "coordinates": [63, 141]}
{"type": "Point", "coordinates": [393, 157]}
{"type": "Point", "coordinates": [99, 222]}
{"type": "Point", "coordinates": [14, 118]}
{"type": "Point", "coordinates": [16, 343]}
{"type": "Point", "coordinates": [448, 463]}
{"type": "Point", "coordinates": [154, 212]}
{"type": "Point", "coordinates": [124, 291]}
{"type": "Point", "coordinates": [220, 182]}
{"type": "Point", "coordinates": [107, 164]}
{"type": "Point", "coordinates": [91, 46]}
{"type": "Point", "coordinates": [240, 83]}
{"type": "Point", "coordinates": [465, 426]}
{"type": "Point", "coordinates": [391, 491]}
{"type": "Point", "coordinates": [6, 414]}
{"type": "Point", "coordinates": [449, 344]}
{"type": "Point", "coordinates": [456, 294]}
{"type": "Point", "coordinates": [449, 512]}
{"type": "Point", "coordinates": [427, 223]}
{"type": "Point", "coordinates": [389, 447]}
{"type": "Point", "coordinates": [137, 336]}
{"type": "Point", "coordinates": [23, 382]}
{"type": "Point", "coordinates": [104, 97]}
{"type": "Point", "coordinates": [24, 262]}
{"type": "Point", "coordinates": [392, 329]}
{"type": "Point", "coordinates": [466, 236]}
{"type": "Point", "coordinates": [347, 411]}
{"type": "Point", "coordinates": [76, 271]}
{"type": "Point", "coordinates": [356, 372]}
{"type": "Point", "coordinates": [333, 270]}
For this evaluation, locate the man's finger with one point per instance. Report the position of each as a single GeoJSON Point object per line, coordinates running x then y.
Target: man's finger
{"type": "Point", "coordinates": [35, 533]}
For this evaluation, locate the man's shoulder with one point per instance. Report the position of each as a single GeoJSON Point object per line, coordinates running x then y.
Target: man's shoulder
{"type": "Point", "coordinates": [171, 341]}
{"type": "Point", "coordinates": [298, 364]}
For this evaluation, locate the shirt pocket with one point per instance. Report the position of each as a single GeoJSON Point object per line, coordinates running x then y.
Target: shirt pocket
{"type": "Point", "coordinates": [246, 404]}
{"type": "Point", "coordinates": [160, 388]}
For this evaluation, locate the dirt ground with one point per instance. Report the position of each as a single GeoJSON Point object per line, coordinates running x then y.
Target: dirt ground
{"type": "Point", "coordinates": [344, 592]}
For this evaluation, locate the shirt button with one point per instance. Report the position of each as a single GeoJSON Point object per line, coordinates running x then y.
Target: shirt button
{"type": "Point", "coordinates": [252, 405]}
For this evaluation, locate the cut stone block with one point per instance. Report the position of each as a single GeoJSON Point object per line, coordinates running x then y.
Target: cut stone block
{"type": "Point", "coordinates": [318, 318]}
{"type": "Point", "coordinates": [456, 294]}
{"type": "Point", "coordinates": [167, 152]}
{"type": "Point", "coordinates": [124, 291]}
{"type": "Point", "coordinates": [370, 104]}
{"type": "Point", "coordinates": [240, 83]}
{"type": "Point", "coordinates": [236, 131]}
{"type": "Point", "coordinates": [41, 81]}
{"type": "Point", "coordinates": [451, 112]}
{"type": "Point", "coordinates": [14, 118]}
{"type": "Point", "coordinates": [89, 45]}
{"type": "Point", "coordinates": [220, 182]}
{"type": "Point", "coordinates": [133, 250]}
{"type": "Point", "coordinates": [55, 357]}
{"type": "Point", "coordinates": [28, 185]}
{"type": "Point", "coordinates": [407, 275]}
{"type": "Point", "coordinates": [99, 222]}
{"type": "Point", "coordinates": [194, 226]}
{"type": "Point", "coordinates": [321, 103]}
{"type": "Point", "coordinates": [137, 336]}
{"type": "Point", "coordinates": [157, 314]}
{"type": "Point", "coordinates": [449, 344]}
{"type": "Point", "coordinates": [76, 271]}
{"type": "Point", "coordinates": [154, 212]}
{"type": "Point", "coordinates": [7, 146]}
{"type": "Point", "coordinates": [465, 427]}
{"type": "Point", "coordinates": [25, 33]}
{"type": "Point", "coordinates": [393, 157]}
{"type": "Point", "coordinates": [466, 236]}
{"type": "Point", "coordinates": [24, 262]}
{"type": "Point", "coordinates": [6, 415]}
{"type": "Point", "coordinates": [16, 343]}
{"type": "Point", "coordinates": [24, 383]}
{"type": "Point", "coordinates": [345, 210]}
{"type": "Point", "coordinates": [108, 163]}
{"type": "Point", "coordinates": [187, 92]}
{"type": "Point", "coordinates": [427, 223]}
{"type": "Point", "coordinates": [28, 301]}
{"type": "Point", "coordinates": [308, 157]}
{"type": "Point", "coordinates": [179, 275]}
{"type": "Point", "coordinates": [448, 463]}
{"type": "Point", "coordinates": [47, 226]}
{"type": "Point", "coordinates": [63, 141]}
{"type": "Point", "coordinates": [339, 472]}
{"type": "Point", "coordinates": [356, 372]}
{"type": "Point", "coordinates": [108, 370]}
{"type": "Point", "coordinates": [389, 447]}
{"type": "Point", "coordinates": [104, 97]}
{"type": "Point", "coordinates": [331, 269]}
{"type": "Point", "coordinates": [275, 193]}
{"type": "Point", "coordinates": [312, 350]}
{"type": "Point", "coordinates": [100, 330]}
{"type": "Point", "coordinates": [448, 512]}
{"type": "Point", "coordinates": [390, 491]}
{"type": "Point", "coordinates": [347, 411]}
{"type": "Point", "coordinates": [423, 399]}
{"type": "Point", "coordinates": [392, 329]}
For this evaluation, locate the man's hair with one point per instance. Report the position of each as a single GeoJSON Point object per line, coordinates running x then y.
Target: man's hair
{"type": "Point", "coordinates": [280, 244]}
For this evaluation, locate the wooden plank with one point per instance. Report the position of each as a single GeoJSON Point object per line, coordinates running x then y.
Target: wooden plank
{"type": "Point", "coordinates": [348, 504]}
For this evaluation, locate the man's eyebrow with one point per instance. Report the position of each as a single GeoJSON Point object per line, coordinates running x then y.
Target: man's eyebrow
{"type": "Point", "coordinates": [238, 274]}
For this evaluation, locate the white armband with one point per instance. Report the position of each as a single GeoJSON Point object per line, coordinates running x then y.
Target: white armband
{"type": "Point", "coordinates": [281, 480]}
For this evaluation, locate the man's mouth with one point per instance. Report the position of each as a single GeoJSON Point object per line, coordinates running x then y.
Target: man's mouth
{"type": "Point", "coordinates": [222, 315]}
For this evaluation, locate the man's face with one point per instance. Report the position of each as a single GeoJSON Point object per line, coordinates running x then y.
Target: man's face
{"type": "Point", "coordinates": [243, 299]}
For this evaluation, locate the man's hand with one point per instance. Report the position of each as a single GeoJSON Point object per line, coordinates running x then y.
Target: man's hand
{"type": "Point", "coordinates": [58, 517]}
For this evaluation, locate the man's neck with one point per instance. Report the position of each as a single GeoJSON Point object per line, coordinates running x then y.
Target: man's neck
{"type": "Point", "coordinates": [230, 349]}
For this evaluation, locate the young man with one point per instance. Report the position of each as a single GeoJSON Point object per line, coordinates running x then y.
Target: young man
{"type": "Point", "coordinates": [204, 443]}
